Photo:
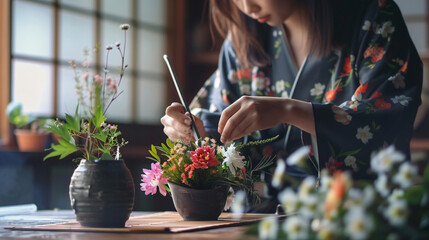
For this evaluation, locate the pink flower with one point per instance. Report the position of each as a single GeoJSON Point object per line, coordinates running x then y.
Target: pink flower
{"type": "Point", "coordinates": [111, 84]}
{"type": "Point", "coordinates": [85, 75]}
{"type": "Point", "coordinates": [204, 157]}
{"type": "Point", "coordinates": [85, 64]}
{"type": "Point", "coordinates": [152, 179]}
{"type": "Point", "coordinates": [98, 78]}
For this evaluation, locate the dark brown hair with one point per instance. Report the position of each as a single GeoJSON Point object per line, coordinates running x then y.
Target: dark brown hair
{"type": "Point", "coordinates": [325, 33]}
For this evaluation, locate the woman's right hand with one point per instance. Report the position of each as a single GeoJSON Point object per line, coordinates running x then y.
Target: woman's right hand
{"type": "Point", "coordinates": [177, 124]}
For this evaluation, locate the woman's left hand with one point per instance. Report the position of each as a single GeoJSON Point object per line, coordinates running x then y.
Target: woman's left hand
{"type": "Point", "coordinates": [252, 113]}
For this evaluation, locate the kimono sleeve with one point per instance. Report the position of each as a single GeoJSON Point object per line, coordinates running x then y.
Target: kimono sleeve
{"type": "Point", "coordinates": [383, 99]}
{"type": "Point", "coordinates": [219, 91]}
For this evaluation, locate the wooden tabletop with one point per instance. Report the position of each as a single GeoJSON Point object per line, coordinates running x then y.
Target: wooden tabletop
{"type": "Point", "coordinates": [49, 217]}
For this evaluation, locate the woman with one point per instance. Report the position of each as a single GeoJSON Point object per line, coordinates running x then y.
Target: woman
{"type": "Point", "coordinates": [340, 76]}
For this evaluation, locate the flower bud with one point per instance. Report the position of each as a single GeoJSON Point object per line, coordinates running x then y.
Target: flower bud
{"type": "Point", "coordinates": [125, 26]}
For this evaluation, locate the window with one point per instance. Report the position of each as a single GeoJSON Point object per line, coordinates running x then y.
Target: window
{"type": "Point", "coordinates": [46, 34]}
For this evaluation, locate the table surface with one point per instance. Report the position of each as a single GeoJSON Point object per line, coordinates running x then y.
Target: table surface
{"type": "Point", "coordinates": [48, 217]}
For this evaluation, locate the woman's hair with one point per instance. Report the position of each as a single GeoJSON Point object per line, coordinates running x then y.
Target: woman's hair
{"type": "Point", "coordinates": [325, 33]}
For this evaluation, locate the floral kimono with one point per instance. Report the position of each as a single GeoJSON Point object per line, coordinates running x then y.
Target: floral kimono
{"type": "Point", "coordinates": [364, 96]}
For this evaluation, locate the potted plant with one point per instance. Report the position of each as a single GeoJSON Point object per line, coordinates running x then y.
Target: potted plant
{"type": "Point", "coordinates": [101, 188]}
{"type": "Point", "coordinates": [200, 175]}
{"type": "Point", "coordinates": [29, 130]}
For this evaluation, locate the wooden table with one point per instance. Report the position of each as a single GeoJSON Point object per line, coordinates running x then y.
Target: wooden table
{"type": "Point", "coordinates": [48, 217]}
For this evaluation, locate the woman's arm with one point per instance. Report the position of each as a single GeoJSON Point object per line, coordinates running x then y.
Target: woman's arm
{"type": "Point", "coordinates": [249, 114]}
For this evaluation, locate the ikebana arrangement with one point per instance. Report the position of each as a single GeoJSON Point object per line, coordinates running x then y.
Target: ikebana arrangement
{"type": "Point", "coordinates": [201, 175]}
{"type": "Point", "coordinates": [394, 206]}
{"type": "Point", "coordinates": [101, 189]}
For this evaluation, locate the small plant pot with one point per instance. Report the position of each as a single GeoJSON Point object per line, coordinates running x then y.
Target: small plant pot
{"type": "Point", "coordinates": [31, 141]}
{"type": "Point", "coordinates": [102, 193]}
{"type": "Point", "coordinates": [199, 204]}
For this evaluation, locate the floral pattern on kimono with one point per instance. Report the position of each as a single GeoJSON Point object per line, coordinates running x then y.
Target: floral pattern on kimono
{"type": "Point", "coordinates": [364, 96]}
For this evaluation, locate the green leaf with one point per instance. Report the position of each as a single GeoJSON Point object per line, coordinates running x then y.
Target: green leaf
{"type": "Point", "coordinates": [169, 143]}
{"type": "Point", "coordinates": [73, 123]}
{"type": "Point", "coordinates": [414, 194]}
{"type": "Point", "coordinates": [98, 118]}
{"type": "Point", "coordinates": [102, 136]}
{"type": "Point", "coordinates": [345, 154]}
{"type": "Point", "coordinates": [63, 149]}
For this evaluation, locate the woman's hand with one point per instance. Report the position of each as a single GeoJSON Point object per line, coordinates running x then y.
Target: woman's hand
{"type": "Point", "coordinates": [249, 114]}
{"type": "Point", "coordinates": [177, 124]}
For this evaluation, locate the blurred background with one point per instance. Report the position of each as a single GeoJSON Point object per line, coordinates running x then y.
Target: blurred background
{"type": "Point", "coordinates": [39, 37]}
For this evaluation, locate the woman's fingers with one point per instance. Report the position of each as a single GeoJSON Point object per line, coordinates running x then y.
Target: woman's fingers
{"type": "Point", "coordinates": [236, 121]}
{"type": "Point", "coordinates": [228, 113]}
{"type": "Point", "coordinates": [177, 126]}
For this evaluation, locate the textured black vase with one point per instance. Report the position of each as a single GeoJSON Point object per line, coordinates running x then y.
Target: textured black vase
{"type": "Point", "coordinates": [102, 193]}
{"type": "Point", "coordinates": [199, 204]}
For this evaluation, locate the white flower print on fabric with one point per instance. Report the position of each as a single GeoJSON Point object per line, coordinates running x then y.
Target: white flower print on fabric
{"type": "Point", "coordinates": [232, 76]}
{"type": "Point", "coordinates": [258, 83]}
{"type": "Point", "coordinates": [350, 161]}
{"type": "Point", "coordinates": [245, 89]}
{"type": "Point", "coordinates": [280, 86]}
{"type": "Point", "coordinates": [366, 25]}
{"type": "Point", "coordinates": [386, 29]}
{"type": "Point", "coordinates": [285, 94]}
{"type": "Point", "coordinates": [364, 134]}
{"type": "Point", "coordinates": [212, 108]}
{"type": "Point", "coordinates": [317, 90]}
{"type": "Point", "coordinates": [397, 80]}
{"type": "Point", "coordinates": [353, 105]}
{"type": "Point", "coordinates": [402, 99]}
{"type": "Point", "coordinates": [217, 79]}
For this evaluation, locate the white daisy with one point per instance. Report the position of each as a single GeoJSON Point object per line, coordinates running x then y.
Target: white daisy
{"type": "Point", "coordinates": [381, 185]}
{"type": "Point", "coordinates": [350, 161]}
{"type": "Point", "coordinates": [402, 99]}
{"type": "Point", "coordinates": [383, 161]}
{"type": "Point", "coordinates": [298, 156]}
{"type": "Point", "coordinates": [232, 159]}
{"type": "Point", "coordinates": [366, 25]}
{"type": "Point", "coordinates": [354, 198]}
{"type": "Point", "coordinates": [317, 90]}
{"type": "Point", "coordinates": [306, 187]}
{"type": "Point", "coordinates": [328, 230]}
{"type": "Point", "coordinates": [277, 181]}
{"type": "Point", "coordinates": [397, 213]}
{"type": "Point", "coordinates": [364, 134]}
{"type": "Point", "coordinates": [268, 228]}
{"type": "Point", "coordinates": [397, 195]}
{"type": "Point", "coordinates": [358, 224]}
{"type": "Point", "coordinates": [325, 181]}
{"type": "Point", "coordinates": [406, 175]}
{"type": "Point", "coordinates": [309, 206]}
{"type": "Point", "coordinates": [289, 200]}
{"type": "Point", "coordinates": [296, 227]}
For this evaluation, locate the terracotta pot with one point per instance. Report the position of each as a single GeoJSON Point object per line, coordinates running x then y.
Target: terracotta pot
{"type": "Point", "coordinates": [102, 193]}
{"type": "Point", "coordinates": [199, 204]}
{"type": "Point", "coordinates": [31, 141]}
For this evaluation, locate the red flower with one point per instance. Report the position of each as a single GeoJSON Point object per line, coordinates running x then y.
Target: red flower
{"type": "Point", "coordinates": [404, 67]}
{"type": "Point", "coordinates": [332, 94]}
{"type": "Point", "coordinates": [361, 89]}
{"type": "Point", "coordinates": [204, 157]}
{"type": "Point", "coordinates": [382, 104]}
{"type": "Point", "coordinates": [332, 165]}
{"type": "Point", "coordinates": [347, 67]}
{"type": "Point", "coordinates": [376, 53]}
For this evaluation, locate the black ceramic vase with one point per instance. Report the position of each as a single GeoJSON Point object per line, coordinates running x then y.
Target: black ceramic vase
{"type": "Point", "coordinates": [199, 204]}
{"type": "Point", "coordinates": [102, 193]}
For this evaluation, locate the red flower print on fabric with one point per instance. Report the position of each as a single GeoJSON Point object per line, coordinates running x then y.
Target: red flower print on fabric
{"type": "Point", "coordinates": [332, 94]}
{"type": "Point", "coordinates": [244, 73]}
{"type": "Point", "coordinates": [376, 53]}
{"type": "Point", "coordinates": [347, 68]}
{"type": "Point", "coordinates": [381, 104]}
{"type": "Point", "coordinates": [404, 67]}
